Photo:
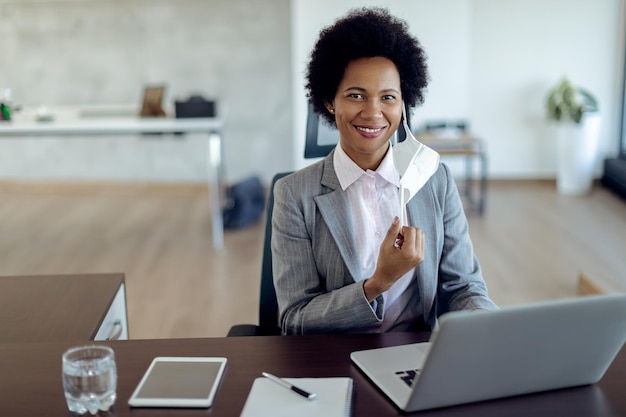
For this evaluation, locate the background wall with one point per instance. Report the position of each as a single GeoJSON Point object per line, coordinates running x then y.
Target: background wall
{"type": "Point", "coordinates": [492, 63]}
{"type": "Point", "coordinates": [85, 52]}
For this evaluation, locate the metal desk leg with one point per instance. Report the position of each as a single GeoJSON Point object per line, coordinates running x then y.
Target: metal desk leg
{"type": "Point", "coordinates": [468, 178]}
{"type": "Point", "coordinates": [477, 202]}
{"type": "Point", "coordinates": [483, 182]}
{"type": "Point", "coordinates": [214, 172]}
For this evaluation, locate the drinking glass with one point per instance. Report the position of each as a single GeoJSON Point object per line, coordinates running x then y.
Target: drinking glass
{"type": "Point", "coordinates": [89, 378]}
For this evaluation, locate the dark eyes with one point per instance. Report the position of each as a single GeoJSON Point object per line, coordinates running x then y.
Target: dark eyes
{"type": "Point", "coordinates": [358, 96]}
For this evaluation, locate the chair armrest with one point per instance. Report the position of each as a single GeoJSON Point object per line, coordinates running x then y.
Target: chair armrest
{"type": "Point", "coordinates": [252, 330]}
{"type": "Point", "coordinates": [244, 330]}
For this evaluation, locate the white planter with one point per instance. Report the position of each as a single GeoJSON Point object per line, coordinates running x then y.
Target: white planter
{"type": "Point", "coordinates": [577, 147]}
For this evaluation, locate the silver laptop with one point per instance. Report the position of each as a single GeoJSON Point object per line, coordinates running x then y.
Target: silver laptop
{"type": "Point", "coordinates": [483, 355]}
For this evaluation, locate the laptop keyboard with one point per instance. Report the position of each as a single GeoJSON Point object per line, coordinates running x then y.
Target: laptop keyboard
{"type": "Point", "coordinates": [408, 376]}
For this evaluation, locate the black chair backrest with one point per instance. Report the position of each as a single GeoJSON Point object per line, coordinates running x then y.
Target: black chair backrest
{"type": "Point", "coordinates": [320, 138]}
{"type": "Point", "coordinates": [268, 307]}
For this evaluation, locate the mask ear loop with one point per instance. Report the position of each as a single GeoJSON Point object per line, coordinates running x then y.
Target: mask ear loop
{"type": "Point", "coordinates": [400, 238]}
{"type": "Point", "coordinates": [394, 142]}
{"type": "Point", "coordinates": [405, 126]}
{"type": "Point", "coordinates": [407, 129]}
{"type": "Point", "coordinates": [403, 191]}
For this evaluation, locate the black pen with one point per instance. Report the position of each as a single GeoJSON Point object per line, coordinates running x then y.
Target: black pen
{"type": "Point", "coordinates": [285, 384]}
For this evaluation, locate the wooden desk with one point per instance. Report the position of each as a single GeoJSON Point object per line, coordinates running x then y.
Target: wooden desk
{"type": "Point", "coordinates": [71, 123]}
{"type": "Point", "coordinates": [61, 308]}
{"type": "Point", "coordinates": [31, 377]}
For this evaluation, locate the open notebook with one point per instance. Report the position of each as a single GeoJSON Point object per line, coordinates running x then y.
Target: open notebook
{"type": "Point", "coordinates": [268, 399]}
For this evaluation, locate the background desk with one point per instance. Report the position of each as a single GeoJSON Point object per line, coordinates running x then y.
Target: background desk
{"type": "Point", "coordinates": [74, 125]}
{"type": "Point", "coordinates": [470, 148]}
{"type": "Point", "coordinates": [31, 377]}
{"type": "Point", "coordinates": [62, 308]}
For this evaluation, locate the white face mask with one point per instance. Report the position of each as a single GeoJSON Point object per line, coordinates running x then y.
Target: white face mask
{"type": "Point", "coordinates": [415, 163]}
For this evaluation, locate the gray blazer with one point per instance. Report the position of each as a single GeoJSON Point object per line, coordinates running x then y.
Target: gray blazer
{"type": "Point", "coordinates": [314, 255]}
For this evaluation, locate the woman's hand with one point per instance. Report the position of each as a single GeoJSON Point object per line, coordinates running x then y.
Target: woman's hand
{"type": "Point", "coordinates": [401, 250]}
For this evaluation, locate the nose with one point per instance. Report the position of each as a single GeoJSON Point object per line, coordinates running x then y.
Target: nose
{"type": "Point", "coordinates": [372, 109]}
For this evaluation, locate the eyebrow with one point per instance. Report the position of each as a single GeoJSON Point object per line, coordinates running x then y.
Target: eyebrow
{"type": "Point", "coordinates": [387, 90]}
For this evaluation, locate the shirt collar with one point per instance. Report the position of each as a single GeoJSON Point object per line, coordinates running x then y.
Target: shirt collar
{"type": "Point", "coordinates": [348, 171]}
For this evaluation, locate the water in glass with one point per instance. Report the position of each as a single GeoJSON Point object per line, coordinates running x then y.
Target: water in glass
{"type": "Point", "coordinates": [89, 379]}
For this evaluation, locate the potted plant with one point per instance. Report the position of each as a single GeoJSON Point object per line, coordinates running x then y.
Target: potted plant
{"type": "Point", "coordinates": [574, 113]}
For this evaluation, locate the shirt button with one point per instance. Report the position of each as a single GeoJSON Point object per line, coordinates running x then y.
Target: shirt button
{"type": "Point", "coordinates": [377, 234]}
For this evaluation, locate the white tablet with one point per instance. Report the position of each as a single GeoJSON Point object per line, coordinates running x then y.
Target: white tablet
{"type": "Point", "coordinates": [179, 382]}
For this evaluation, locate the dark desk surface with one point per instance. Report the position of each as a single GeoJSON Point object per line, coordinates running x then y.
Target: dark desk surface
{"type": "Point", "coordinates": [30, 377]}
{"type": "Point", "coordinates": [55, 307]}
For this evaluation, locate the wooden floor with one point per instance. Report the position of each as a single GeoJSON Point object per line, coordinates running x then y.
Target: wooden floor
{"type": "Point", "coordinates": [532, 244]}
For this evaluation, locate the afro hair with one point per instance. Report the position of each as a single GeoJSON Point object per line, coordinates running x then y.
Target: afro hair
{"type": "Point", "coordinates": [365, 33]}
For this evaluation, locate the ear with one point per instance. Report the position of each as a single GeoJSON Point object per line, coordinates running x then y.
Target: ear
{"type": "Point", "coordinates": [330, 107]}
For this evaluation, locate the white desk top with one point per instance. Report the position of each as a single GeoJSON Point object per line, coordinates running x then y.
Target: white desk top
{"type": "Point", "coordinates": [101, 121]}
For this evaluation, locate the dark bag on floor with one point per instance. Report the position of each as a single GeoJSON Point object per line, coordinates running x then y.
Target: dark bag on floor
{"type": "Point", "coordinates": [245, 203]}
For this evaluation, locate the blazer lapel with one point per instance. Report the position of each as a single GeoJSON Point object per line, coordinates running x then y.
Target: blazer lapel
{"type": "Point", "coordinates": [334, 208]}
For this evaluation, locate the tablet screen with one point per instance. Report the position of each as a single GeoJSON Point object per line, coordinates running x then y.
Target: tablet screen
{"type": "Point", "coordinates": [179, 382]}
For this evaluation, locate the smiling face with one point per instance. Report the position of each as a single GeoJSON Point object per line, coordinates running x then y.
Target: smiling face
{"type": "Point", "coordinates": [367, 109]}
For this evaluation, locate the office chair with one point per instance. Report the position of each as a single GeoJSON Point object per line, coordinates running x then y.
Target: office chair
{"type": "Point", "coordinates": [320, 138]}
{"type": "Point", "coordinates": [268, 307]}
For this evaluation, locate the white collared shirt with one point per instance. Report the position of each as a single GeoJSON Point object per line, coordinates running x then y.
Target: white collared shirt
{"type": "Point", "coordinates": [374, 201]}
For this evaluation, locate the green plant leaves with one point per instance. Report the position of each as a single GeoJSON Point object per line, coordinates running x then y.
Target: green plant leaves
{"type": "Point", "coordinates": [567, 102]}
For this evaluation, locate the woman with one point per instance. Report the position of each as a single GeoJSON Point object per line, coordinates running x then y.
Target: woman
{"type": "Point", "coordinates": [336, 268]}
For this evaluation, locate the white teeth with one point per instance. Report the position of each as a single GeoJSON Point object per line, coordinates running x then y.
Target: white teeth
{"type": "Point", "coordinates": [369, 130]}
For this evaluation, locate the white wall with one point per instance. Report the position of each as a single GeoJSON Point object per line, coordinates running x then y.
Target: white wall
{"type": "Point", "coordinates": [84, 52]}
{"type": "Point", "coordinates": [492, 63]}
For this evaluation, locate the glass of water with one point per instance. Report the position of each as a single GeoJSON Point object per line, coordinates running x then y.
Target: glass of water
{"type": "Point", "coordinates": [89, 378]}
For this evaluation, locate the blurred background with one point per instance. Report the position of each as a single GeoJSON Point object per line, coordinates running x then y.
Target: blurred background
{"type": "Point", "coordinates": [138, 204]}
{"type": "Point", "coordinates": [491, 63]}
